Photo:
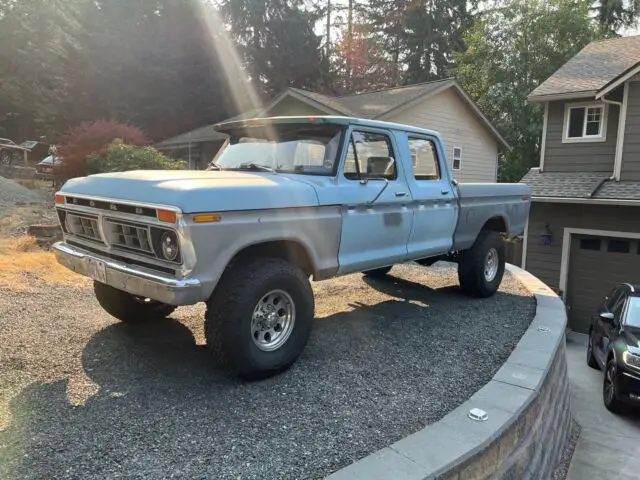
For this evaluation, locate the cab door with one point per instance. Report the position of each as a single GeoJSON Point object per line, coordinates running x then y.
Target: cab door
{"type": "Point", "coordinates": [434, 205]}
{"type": "Point", "coordinates": [376, 213]}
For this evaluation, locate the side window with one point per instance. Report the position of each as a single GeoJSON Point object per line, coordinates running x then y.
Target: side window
{"type": "Point", "coordinates": [368, 156]}
{"type": "Point", "coordinates": [619, 308]}
{"type": "Point", "coordinates": [424, 159]}
{"type": "Point", "coordinates": [611, 299]}
{"type": "Point", "coordinates": [457, 158]}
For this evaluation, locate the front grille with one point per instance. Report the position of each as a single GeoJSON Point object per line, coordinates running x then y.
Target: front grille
{"type": "Point", "coordinates": [128, 235]}
{"type": "Point", "coordinates": [125, 260]}
{"type": "Point", "coordinates": [85, 226]}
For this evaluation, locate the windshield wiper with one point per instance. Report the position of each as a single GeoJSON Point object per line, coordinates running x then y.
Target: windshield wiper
{"type": "Point", "coordinates": [213, 166]}
{"type": "Point", "coordinates": [254, 167]}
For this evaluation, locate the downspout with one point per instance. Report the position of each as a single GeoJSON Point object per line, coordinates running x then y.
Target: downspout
{"type": "Point", "coordinates": [622, 119]}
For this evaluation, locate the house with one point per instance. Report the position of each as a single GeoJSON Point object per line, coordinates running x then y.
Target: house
{"type": "Point", "coordinates": [583, 233]}
{"type": "Point", "coordinates": [473, 143]}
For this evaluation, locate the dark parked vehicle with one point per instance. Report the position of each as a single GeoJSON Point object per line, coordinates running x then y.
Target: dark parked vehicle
{"type": "Point", "coordinates": [614, 346]}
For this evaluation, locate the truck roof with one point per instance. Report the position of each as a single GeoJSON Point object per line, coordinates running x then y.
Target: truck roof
{"type": "Point", "coordinates": [319, 119]}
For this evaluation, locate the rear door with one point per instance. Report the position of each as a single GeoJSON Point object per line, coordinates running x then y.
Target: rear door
{"type": "Point", "coordinates": [434, 206]}
{"type": "Point", "coordinates": [376, 216]}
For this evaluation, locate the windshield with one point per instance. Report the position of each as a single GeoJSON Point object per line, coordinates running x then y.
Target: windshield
{"type": "Point", "coordinates": [633, 312]}
{"type": "Point", "coordinates": [306, 149]}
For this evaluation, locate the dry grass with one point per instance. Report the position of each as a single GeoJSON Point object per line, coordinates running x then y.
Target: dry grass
{"type": "Point", "coordinates": [36, 184]}
{"type": "Point", "coordinates": [23, 266]}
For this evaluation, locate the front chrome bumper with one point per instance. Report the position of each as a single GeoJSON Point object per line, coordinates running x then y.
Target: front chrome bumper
{"type": "Point", "coordinates": [136, 281]}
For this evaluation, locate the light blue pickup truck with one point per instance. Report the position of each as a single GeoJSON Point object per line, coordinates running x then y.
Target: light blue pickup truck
{"type": "Point", "coordinates": [286, 199]}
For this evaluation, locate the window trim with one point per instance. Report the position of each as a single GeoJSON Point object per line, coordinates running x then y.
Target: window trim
{"type": "Point", "coordinates": [453, 159]}
{"type": "Point", "coordinates": [413, 136]}
{"type": "Point", "coordinates": [361, 129]}
{"type": "Point", "coordinates": [602, 137]}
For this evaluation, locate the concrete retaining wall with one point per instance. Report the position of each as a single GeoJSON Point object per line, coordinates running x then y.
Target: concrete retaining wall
{"type": "Point", "coordinates": [527, 403]}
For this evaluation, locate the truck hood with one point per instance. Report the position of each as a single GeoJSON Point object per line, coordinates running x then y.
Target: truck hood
{"type": "Point", "coordinates": [198, 191]}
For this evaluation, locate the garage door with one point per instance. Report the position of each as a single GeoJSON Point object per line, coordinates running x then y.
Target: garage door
{"type": "Point", "coordinates": [597, 264]}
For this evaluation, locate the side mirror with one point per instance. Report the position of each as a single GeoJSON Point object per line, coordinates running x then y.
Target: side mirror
{"type": "Point", "coordinates": [607, 317]}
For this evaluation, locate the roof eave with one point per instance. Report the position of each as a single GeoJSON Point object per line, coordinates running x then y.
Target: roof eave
{"type": "Point", "coordinates": [562, 96]}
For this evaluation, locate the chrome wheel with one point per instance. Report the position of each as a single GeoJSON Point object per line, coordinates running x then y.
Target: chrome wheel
{"type": "Point", "coordinates": [609, 384]}
{"type": "Point", "coordinates": [272, 321]}
{"type": "Point", "coordinates": [491, 264]}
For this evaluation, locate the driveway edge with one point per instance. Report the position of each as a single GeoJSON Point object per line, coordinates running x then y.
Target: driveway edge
{"type": "Point", "coordinates": [527, 403]}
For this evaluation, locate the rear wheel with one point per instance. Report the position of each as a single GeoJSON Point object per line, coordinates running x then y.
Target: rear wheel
{"type": "Point", "coordinates": [610, 390]}
{"type": "Point", "coordinates": [259, 317]}
{"type": "Point", "coordinates": [130, 308]}
{"type": "Point", "coordinates": [591, 359]}
{"type": "Point", "coordinates": [378, 272]}
{"type": "Point", "coordinates": [481, 268]}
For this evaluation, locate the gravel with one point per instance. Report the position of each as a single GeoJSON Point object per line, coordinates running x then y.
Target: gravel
{"type": "Point", "coordinates": [560, 473]}
{"type": "Point", "coordinates": [82, 396]}
{"type": "Point", "coordinates": [12, 192]}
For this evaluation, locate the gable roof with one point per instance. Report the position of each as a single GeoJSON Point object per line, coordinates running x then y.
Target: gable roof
{"type": "Point", "coordinates": [381, 103]}
{"type": "Point", "coordinates": [592, 70]}
{"type": "Point", "coordinates": [370, 105]}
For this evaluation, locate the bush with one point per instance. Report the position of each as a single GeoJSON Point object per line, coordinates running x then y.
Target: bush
{"type": "Point", "coordinates": [121, 158]}
{"type": "Point", "coordinates": [89, 139]}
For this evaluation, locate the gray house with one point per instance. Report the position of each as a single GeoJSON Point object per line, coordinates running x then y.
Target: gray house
{"type": "Point", "coordinates": [473, 143]}
{"type": "Point", "coordinates": [583, 234]}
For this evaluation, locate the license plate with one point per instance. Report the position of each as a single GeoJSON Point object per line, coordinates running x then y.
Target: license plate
{"type": "Point", "coordinates": [97, 270]}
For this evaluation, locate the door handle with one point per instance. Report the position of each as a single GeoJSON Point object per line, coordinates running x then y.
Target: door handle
{"type": "Point", "coordinates": [401, 194]}
{"type": "Point", "coordinates": [444, 192]}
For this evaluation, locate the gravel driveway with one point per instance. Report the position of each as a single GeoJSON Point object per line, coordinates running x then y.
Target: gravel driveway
{"type": "Point", "coordinates": [82, 396]}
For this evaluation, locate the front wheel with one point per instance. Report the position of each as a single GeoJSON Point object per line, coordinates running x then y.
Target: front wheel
{"type": "Point", "coordinates": [591, 358]}
{"type": "Point", "coordinates": [610, 391]}
{"type": "Point", "coordinates": [481, 268]}
{"type": "Point", "coordinates": [259, 317]}
{"type": "Point", "coordinates": [130, 308]}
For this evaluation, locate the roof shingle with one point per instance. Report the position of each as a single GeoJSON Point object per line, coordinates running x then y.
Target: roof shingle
{"type": "Point", "coordinates": [622, 190]}
{"type": "Point", "coordinates": [564, 184]}
{"type": "Point", "coordinates": [593, 68]}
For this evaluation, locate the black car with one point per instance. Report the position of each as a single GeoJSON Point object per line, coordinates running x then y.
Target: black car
{"type": "Point", "coordinates": [614, 345]}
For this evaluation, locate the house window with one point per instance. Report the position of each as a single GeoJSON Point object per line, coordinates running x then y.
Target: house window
{"type": "Point", "coordinates": [590, 244]}
{"type": "Point", "coordinates": [457, 158]}
{"type": "Point", "coordinates": [618, 246]}
{"type": "Point", "coordinates": [585, 123]}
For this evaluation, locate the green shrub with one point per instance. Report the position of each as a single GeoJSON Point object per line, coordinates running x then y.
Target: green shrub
{"type": "Point", "coordinates": [121, 158]}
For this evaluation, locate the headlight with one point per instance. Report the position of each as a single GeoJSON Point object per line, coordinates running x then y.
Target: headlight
{"type": "Point", "coordinates": [631, 359]}
{"type": "Point", "coordinates": [166, 244]}
{"type": "Point", "coordinates": [169, 245]}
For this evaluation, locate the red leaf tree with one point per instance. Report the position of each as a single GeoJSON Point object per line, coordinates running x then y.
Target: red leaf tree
{"type": "Point", "coordinates": [88, 139]}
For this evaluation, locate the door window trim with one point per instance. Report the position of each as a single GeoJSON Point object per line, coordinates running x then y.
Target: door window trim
{"type": "Point", "coordinates": [415, 136]}
{"type": "Point", "coordinates": [392, 145]}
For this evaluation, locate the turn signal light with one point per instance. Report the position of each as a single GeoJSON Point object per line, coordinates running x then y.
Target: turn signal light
{"type": "Point", "coordinates": [168, 216]}
{"type": "Point", "coordinates": [209, 217]}
{"type": "Point", "coordinates": [59, 199]}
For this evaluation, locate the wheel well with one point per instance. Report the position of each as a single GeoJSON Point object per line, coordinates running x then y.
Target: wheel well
{"type": "Point", "coordinates": [610, 356]}
{"type": "Point", "coordinates": [289, 250]}
{"type": "Point", "coordinates": [495, 224]}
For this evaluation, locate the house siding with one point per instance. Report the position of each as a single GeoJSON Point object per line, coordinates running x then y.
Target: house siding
{"type": "Point", "coordinates": [450, 116]}
{"type": "Point", "coordinates": [544, 260]}
{"type": "Point", "coordinates": [579, 157]}
{"type": "Point", "coordinates": [631, 151]}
